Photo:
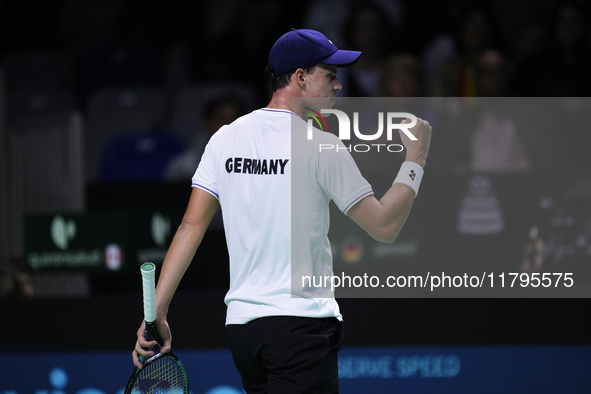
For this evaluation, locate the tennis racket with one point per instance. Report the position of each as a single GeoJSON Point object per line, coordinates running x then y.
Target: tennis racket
{"type": "Point", "coordinates": [163, 373]}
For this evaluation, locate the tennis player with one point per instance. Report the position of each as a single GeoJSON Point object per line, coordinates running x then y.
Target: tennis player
{"type": "Point", "coordinates": [282, 344]}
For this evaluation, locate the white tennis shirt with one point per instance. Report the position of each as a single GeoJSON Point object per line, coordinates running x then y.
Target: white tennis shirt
{"type": "Point", "coordinates": [248, 166]}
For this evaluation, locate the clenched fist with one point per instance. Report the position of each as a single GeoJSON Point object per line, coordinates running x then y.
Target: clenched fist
{"type": "Point", "coordinates": [418, 150]}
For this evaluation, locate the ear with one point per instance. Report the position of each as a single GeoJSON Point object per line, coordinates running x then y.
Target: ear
{"type": "Point", "coordinates": [299, 76]}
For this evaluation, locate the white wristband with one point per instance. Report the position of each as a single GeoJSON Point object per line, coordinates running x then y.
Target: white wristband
{"type": "Point", "coordinates": [410, 174]}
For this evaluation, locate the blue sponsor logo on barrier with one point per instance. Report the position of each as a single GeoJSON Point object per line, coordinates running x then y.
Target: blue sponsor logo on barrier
{"type": "Point", "coordinates": [424, 366]}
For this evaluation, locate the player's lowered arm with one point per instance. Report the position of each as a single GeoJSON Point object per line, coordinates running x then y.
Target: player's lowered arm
{"type": "Point", "coordinates": [188, 237]}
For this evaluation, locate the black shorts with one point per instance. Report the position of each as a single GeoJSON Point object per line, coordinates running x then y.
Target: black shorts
{"type": "Point", "coordinates": [287, 354]}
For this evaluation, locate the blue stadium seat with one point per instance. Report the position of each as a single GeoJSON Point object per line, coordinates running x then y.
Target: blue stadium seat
{"type": "Point", "coordinates": [113, 112]}
{"type": "Point", "coordinates": [139, 157]}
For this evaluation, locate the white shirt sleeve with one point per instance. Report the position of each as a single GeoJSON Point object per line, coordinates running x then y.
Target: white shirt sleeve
{"type": "Point", "coordinates": [205, 177]}
{"type": "Point", "coordinates": [340, 177]}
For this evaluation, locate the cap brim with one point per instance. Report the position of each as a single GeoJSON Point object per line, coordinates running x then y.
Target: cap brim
{"type": "Point", "coordinates": [342, 58]}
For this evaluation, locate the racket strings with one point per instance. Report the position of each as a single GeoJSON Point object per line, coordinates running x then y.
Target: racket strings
{"type": "Point", "coordinates": [162, 376]}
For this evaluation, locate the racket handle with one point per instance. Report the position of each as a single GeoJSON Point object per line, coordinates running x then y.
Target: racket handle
{"type": "Point", "coordinates": [148, 332]}
{"type": "Point", "coordinates": [147, 336]}
{"type": "Point", "coordinates": [148, 271]}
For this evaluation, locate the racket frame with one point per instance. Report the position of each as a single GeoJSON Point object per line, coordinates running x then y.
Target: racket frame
{"type": "Point", "coordinates": [154, 358]}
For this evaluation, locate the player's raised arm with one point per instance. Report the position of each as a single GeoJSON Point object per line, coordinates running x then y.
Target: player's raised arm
{"type": "Point", "coordinates": [384, 219]}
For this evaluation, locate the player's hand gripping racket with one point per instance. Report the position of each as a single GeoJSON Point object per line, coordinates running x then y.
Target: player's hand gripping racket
{"type": "Point", "coordinates": [162, 373]}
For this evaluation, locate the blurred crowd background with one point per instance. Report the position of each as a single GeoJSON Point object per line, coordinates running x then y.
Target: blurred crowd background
{"type": "Point", "coordinates": [130, 90]}
{"type": "Point", "coordinates": [411, 48]}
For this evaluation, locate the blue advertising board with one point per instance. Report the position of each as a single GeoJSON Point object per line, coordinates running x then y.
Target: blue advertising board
{"type": "Point", "coordinates": [489, 369]}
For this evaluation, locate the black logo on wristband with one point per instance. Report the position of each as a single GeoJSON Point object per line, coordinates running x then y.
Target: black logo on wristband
{"type": "Point", "coordinates": [412, 174]}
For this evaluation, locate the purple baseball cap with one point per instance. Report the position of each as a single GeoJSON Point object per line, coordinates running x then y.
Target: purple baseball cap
{"type": "Point", "coordinates": [304, 48]}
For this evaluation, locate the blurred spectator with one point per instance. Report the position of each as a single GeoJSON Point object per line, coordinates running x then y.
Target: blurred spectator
{"type": "Point", "coordinates": [440, 46]}
{"type": "Point", "coordinates": [366, 29]}
{"type": "Point", "coordinates": [450, 59]}
{"type": "Point", "coordinates": [13, 281]}
{"type": "Point", "coordinates": [494, 73]}
{"type": "Point", "coordinates": [229, 33]}
{"type": "Point", "coordinates": [494, 134]}
{"type": "Point", "coordinates": [560, 238]}
{"type": "Point", "coordinates": [328, 16]}
{"type": "Point", "coordinates": [217, 113]}
{"type": "Point", "coordinates": [526, 24]}
{"type": "Point", "coordinates": [561, 67]}
{"type": "Point", "coordinates": [401, 77]}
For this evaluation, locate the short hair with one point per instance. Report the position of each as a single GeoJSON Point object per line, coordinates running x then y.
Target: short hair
{"type": "Point", "coordinates": [283, 80]}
